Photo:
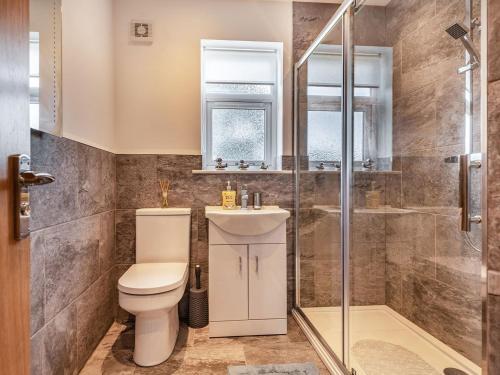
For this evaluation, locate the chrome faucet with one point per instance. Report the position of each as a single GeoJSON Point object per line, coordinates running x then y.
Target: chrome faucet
{"type": "Point", "coordinates": [244, 197]}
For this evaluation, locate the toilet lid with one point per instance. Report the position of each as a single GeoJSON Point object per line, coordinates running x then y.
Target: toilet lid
{"type": "Point", "coordinates": [153, 278]}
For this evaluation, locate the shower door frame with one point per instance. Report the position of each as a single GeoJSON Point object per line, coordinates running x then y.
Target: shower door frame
{"type": "Point", "coordinates": [345, 14]}
{"type": "Point", "coordinates": [345, 17]}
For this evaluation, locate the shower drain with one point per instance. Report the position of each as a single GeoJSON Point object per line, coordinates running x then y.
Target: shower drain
{"type": "Point", "coordinates": [453, 371]}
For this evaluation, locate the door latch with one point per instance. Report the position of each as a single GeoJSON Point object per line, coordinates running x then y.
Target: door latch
{"type": "Point", "coordinates": [23, 177]}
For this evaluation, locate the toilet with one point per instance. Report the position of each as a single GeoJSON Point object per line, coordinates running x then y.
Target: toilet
{"type": "Point", "coordinates": [152, 288]}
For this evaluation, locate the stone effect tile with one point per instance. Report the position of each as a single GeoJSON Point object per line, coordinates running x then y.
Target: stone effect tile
{"type": "Point", "coordinates": [107, 242]}
{"type": "Point", "coordinates": [493, 175]}
{"type": "Point", "coordinates": [71, 253]}
{"type": "Point", "coordinates": [95, 310]}
{"type": "Point", "coordinates": [57, 156]}
{"type": "Point", "coordinates": [72, 245]}
{"type": "Point", "coordinates": [37, 353]}
{"type": "Point", "coordinates": [137, 181]}
{"type": "Point", "coordinates": [37, 283]}
{"type": "Point", "coordinates": [85, 180]}
{"type": "Point", "coordinates": [431, 274]}
{"type": "Point", "coordinates": [195, 353]}
{"type": "Point", "coordinates": [60, 345]}
{"type": "Point", "coordinates": [493, 40]}
{"type": "Point", "coordinates": [125, 237]}
{"type": "Point", "coordinates": [493, 334]}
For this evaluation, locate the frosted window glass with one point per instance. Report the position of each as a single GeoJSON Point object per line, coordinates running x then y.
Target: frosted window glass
{"type": "Point", "coordinates": [238, 88]}
{"type": "Point", "coordinates": [359, 118]}
{"type": "Point", "coordinates": [238, 134]}
{"type": "Point", "coordinates": [324, 136]}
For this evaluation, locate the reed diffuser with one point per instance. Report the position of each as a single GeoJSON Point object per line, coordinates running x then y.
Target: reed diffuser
{"type": "Point", "coordinates": [164, 186]}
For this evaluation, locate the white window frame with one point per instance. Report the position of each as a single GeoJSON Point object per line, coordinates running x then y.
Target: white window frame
{"type": "Point", "coordinates": [273, 103]}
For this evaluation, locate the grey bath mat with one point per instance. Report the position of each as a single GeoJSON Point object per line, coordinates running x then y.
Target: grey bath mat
{"type": "Point", "coordinates": [288, 369]}
{"type": "Point", "coordinates": [382, 358]}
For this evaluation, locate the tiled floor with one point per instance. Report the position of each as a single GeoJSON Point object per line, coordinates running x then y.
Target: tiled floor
{"type": "Point", "coordinates": [196, 353]}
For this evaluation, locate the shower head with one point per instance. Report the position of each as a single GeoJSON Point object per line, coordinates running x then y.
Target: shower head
{"type": "Point", "coordinates": [459, 31]}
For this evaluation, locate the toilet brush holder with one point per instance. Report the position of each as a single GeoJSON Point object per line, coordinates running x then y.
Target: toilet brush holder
{"type": "Point", "coordinates": [198, 308]}
{"type": "Point", "coordinates": [198, 303]}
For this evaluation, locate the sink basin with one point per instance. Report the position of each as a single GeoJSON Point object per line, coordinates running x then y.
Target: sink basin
{"type": "Point", "coordinates": [248, 222]}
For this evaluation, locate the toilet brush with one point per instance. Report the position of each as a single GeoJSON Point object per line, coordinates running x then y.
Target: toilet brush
{"type": "Point", "coordinates": [198, 302]}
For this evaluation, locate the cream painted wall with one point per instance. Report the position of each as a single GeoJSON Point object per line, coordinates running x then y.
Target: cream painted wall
{"type": "Point", "coordinates": [88, 72]}
{"type": "Point", "coordinates": [158, 86]}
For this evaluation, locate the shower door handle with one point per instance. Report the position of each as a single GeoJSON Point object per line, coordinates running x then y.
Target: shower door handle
{"type": "Point", "coordinates": [464, 192]}
{"type": "Point", "coordinates": [465, 186]}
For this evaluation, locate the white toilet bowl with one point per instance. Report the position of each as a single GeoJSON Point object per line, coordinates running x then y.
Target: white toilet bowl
{"type": "Point", "coordinates": [152, 291]}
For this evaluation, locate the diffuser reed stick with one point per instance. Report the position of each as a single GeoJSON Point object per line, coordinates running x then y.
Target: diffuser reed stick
{"type": "Point", "coordinates": [164, 186]}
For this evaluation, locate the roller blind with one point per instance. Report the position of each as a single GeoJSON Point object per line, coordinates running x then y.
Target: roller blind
{"type": "Point", "coordinates": [326, 69]}
{"type": "Point", "coordinates": [239, 66]}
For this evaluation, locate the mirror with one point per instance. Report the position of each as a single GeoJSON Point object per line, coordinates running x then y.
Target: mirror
{"type": "Point", "coordinates": [45, 66]}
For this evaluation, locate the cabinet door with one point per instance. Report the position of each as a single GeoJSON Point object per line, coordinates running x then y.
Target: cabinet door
{"type": "Point", "coordinates": [228, 282]}
{"type": "Point", "coordinates": [267, 281]}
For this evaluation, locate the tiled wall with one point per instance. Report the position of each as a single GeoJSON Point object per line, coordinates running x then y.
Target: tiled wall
{"type": "Point", "coordinates": [72, 253]}
{"type": "Point", "coordinates": [433, 273]}
{"type": "Point", "coordinates": [320, 227]}
{"type": "Point", "coordinates": [137, 187]}
{"type": "Point", "coordinates": [493, 187]}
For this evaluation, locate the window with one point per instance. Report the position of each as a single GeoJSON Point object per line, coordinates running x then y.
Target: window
{"type": "Point", "coordinates": [372, 104]}
{"type": "Point", "coordinates": [241, 102]}
{"type": "Point", "coordinates": [34, 82]}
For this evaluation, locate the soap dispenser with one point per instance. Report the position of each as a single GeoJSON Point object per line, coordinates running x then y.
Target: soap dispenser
{"type": "Point", "coordinates": [229, 198]}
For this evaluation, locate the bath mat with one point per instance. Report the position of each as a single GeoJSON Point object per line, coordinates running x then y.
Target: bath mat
{"type": "Point", "coordinates": [287, 369]}
{"type": "Point", "coordinates": [382, 358]}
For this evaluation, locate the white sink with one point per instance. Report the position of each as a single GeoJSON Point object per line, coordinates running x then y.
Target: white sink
{"type": "Point", "coordinates": [248, 222]}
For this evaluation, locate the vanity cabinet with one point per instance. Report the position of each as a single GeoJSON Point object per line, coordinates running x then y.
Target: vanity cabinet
{"type": "Point", "coordinates": [247, 283]}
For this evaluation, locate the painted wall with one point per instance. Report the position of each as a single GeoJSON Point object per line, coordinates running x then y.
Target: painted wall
{"type": "Point", "coordinates": [158, 85]}
{"type": "Point", "coordinates": [88, 72]}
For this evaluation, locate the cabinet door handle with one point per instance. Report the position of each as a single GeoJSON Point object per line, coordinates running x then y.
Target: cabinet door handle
{"type": "Point", "coordinates": [257, 264]}
{"type": "Point", "coordinates": [241, 264]}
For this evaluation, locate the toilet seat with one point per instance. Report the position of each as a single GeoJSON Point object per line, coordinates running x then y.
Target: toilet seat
{"type": "Point", "coordinates": [152, 278]}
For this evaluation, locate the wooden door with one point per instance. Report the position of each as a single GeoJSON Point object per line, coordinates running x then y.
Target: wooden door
{"type": "Point", "coordinates": [14, 139]}
{"type": "Point", "coordinates": [228, 282]}
{"type": "Point", "coordinates": [267, 281]}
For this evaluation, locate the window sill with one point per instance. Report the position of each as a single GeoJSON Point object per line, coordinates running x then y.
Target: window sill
{"type": "Point", "coordinates": [239, 171]}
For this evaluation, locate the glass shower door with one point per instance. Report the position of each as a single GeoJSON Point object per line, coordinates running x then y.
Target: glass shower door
{"type": "Point", "coordinates": [319, 116]}
{"type": "Point", "coordinates": [415, 269]}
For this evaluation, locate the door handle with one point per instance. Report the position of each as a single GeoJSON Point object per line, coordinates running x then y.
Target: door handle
{"type": "Point", "coordinates": [30, 178]}
{"type": "Point", "coordinates": [257, 264]}
{"type": "Point", "coordinates": [23, 177]}
{"type": "Point", "coordinates": [465, 164]}
{"type": "Point", "coordinates": [241, 264]}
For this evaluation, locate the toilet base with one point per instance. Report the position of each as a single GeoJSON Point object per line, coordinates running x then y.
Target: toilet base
{"type": "Point", "coordinates": [155, 336]}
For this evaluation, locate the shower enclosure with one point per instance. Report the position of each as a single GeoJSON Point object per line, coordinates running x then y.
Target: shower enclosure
{"type": "Point", "coordinates": [388, 182]}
